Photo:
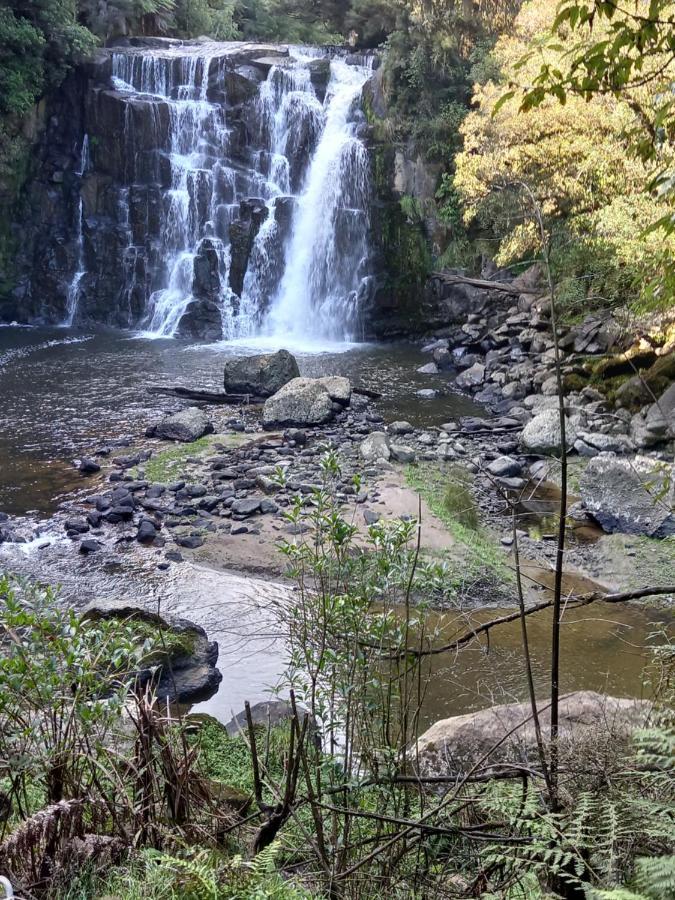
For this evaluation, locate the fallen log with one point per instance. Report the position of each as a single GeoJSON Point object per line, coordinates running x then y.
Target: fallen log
{"type": "Point", "coordinates": [234, 399]}
{"type": "Point", "coordinates": [504, 287]}
{"type": "Point", "coordinates": [207, 396]}
{"type": "Point", "coordinates": [366, 392]}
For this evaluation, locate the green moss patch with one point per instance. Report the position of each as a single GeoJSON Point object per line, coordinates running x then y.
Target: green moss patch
{"type": "Point", "coordinates": [447, 492]}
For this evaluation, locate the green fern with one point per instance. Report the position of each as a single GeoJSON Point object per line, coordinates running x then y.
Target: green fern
{"type": "Point", "coordinates": [655, 876]}
{"type": "Point", "coordinates": [195, 876]}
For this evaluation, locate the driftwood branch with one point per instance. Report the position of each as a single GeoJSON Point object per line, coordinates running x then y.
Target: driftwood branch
{"type": "Point", "coordinates": [206, 396]}
{"type": "Point", "coordinates": [504, 287]}
{"type": "Point", "coordinates": [232, 399]}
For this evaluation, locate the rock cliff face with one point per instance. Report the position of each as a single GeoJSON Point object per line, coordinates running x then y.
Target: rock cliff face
{"type": "Point", "coordinates": [171, 178]}
{"type": "Point", "coordinates": [209, 190]}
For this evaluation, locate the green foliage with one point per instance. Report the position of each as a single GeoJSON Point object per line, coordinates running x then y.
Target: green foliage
{"type": "Point", "coordinates": [21, 66]}
{"type": "Point", "coordinates": [213, 18]}
{"type": "Point", "coordinates": [63, 682]}
{"type": "Point", "coordinates": [575, 159]}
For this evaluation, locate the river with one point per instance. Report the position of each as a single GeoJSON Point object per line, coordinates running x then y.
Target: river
{"type": "Point", "coordinates": [64, 392]}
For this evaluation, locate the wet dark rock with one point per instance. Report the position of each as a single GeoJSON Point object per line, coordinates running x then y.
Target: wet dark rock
{"type": "Point", "coordinates": [76, 526]}
{"type": "Point", "coordinates": [7, 535]}
{"type": "Point", "coordinates": [118, 514]}
{"type": "Point", "coordinates": [243, 231]}
{"type": "Point", "coordinates": [121, 496]}
{"type": "Point", "coordinates": [90, 546]}
{"type": "Point", "coordinates": [174, 556]}
{"type": "Point", "coordinates": [186, 426]}
{"type": "Point", "coordinates": [128, 462]}
{"type": "Point", "coordinates": [190, 541]}
{"type": "Point", "coordinates": [239, 529]}
{"type": "Point", "coordinates": [504, 467]}
{"type": "Point", "coordinates": [88, 466]}
{"type": "Point", "coordinates": [261, 375]}
{"type": "Point", "coordinates": [189, 674]}
{"type": "Point", "coordinates": [94, 518]}
{"type": "Point", "coordinates": [246, 507]}
{"type": "Point", "coordinates": [147, 531]}
{"type": "Point", "coordinates": [201, 321]}
{"type": "Point", "coordinates": [296, 435]}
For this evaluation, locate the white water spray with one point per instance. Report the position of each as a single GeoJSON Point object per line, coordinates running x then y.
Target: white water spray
{"type": "Point", "coordinates": [285, 172]}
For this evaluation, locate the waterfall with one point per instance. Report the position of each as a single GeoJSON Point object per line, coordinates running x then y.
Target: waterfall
{"type": "Point", "coordinates": [242, 193]}
{"type": "Point", "coordinates": [73, 293]}
{"type": "Point", "coordinates": [325, 272]}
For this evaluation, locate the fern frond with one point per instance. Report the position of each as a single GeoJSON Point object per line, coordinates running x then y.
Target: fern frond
{"type": "Point", "coordinates": [655, 876]}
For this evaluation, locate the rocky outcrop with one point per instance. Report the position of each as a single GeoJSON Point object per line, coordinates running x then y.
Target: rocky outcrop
{"type": "Point", "coordinates": [632, 496]}
{"type": "Point", "coordinates": [188, 674]}
{"type": "Point", "coordinates": [454, 745]}
{"type": "Point", "coordinates": [261, 375]}
{"type": "Point", "coordinates": [186, 426]}
{"type": "Point", "coordinates": [303, 401]}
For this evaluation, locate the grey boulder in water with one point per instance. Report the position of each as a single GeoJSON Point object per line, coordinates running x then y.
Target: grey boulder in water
{"type": "Point", "coordinates": [261, 375]}
{"type": "Point", "coordinates": [187, 425]}
{"type": "Point", "coordinates": [303, 401]}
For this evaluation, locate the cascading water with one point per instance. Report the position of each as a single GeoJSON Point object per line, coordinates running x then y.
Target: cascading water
{"type": "Point", "coordinates": [227, 194]}
{"type": "Point", "coordinates": [325, 274]}
{"type": "Point", "coordinates": [73, 294]}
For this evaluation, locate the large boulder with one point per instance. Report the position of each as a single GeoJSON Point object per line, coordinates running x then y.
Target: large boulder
{"type": "Point", "coordinates": [201, 321]}
{"type": "Point", "coordinates": [542, 433]}
{"type": "Point", "coordinates": [303, 401]}
{"type": "Point", "coordinates": [631, 496]}
{"type": "Point", "coordinates": [261, 375]}
{"type": "Point", "coordinates": [339, 388]}
{"type": "Point", "coordinates": [454, 745]}
{"type": "Point", "coordinates": [187, 425]}
{"type": "Point", "coordinates": [183, 669]}
{"type": "Point", "coordinates": [656, 424]}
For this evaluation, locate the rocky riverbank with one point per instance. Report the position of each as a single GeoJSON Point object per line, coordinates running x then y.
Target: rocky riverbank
{"type": "Point", "coordinates": [220, 491]}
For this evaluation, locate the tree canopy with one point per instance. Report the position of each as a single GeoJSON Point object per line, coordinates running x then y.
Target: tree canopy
{"type": "Point", "coordinates": [575, 151]}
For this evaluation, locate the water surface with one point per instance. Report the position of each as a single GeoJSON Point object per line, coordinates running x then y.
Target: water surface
{"type": "Point", "coordinates": [64, 393]}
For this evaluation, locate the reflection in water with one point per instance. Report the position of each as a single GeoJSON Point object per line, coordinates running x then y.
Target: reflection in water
{"type": "Point", "coordinates": [603, 648]}
{"type": "Point", "coordinates": [63, 396]}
